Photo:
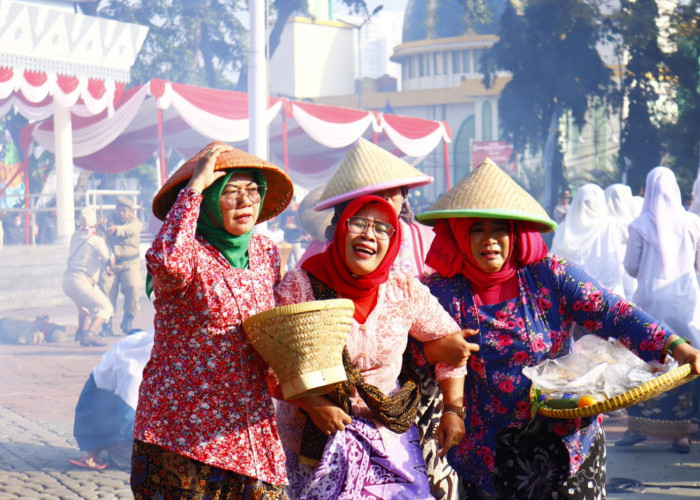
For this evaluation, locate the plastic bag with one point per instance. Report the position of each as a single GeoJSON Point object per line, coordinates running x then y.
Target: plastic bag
{"type": "Point", "coordinates": [596, 367]}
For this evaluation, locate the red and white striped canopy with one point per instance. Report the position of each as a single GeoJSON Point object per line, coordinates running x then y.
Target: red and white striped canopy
{"type": "Point", "coordinates": [31, 93]}
{"type": "Point", "coordinates": [309, 140]}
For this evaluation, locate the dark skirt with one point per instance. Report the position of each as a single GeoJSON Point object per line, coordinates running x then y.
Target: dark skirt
{"type": "Point", "coordinates": [667, 415]}
{"type": "Point", "coordinates": [535, 465]}
{"type": "Point", "coordinates": [160, 473]}
{"type": "Point", "coordinates": [101, 418]}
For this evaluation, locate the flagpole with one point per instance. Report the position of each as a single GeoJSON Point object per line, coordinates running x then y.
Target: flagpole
{"type": "Point", "coordinates": [257, 81]}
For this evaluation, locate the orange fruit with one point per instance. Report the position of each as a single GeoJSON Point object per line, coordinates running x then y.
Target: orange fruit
{"type": "Point", "coordinates": [586, 401]}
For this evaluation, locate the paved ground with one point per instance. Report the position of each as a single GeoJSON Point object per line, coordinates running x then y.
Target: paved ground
{"type": "Point", "coordinates": [40, 384]}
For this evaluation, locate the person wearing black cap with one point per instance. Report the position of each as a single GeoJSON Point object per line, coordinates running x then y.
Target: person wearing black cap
{"type": "Point", "coordinates": [123, 238]}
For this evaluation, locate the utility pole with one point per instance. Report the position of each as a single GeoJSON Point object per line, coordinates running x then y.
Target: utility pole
{"type": "Point", "coordinates": [359, 49]}
{"type": "Point", "coordinates": [257, 81]}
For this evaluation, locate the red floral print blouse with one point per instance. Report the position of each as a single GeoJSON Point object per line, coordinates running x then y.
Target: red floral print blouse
{"type": "Point", "coordinates": [204, 393]}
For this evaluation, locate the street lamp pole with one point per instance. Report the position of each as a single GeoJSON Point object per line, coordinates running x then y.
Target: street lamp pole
{"type": "Point", "coordinates": [359, 50]}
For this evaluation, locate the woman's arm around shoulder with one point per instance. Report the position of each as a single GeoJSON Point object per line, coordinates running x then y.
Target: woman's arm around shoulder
{"type": "Point", "coordinates": [431, 323]}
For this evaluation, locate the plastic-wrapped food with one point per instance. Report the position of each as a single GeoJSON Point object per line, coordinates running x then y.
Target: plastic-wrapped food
{"type": "Point", "coordinates": [596, 367]}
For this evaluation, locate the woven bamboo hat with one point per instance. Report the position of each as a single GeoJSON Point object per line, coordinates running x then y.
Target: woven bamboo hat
{"type": "Point", "coordinates": [314, 222]}
{"type": "Point", "coordinates": [303, 343]}
{"type": "Point", "coordinates": [366, 169]}
{"type": "Point", "coordinates": [279, 186]}
{"type": "Point", "coordinates": [488, 192]}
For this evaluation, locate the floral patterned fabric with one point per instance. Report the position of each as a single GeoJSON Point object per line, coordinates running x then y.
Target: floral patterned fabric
{"type": "Point", "coordinates": [404, 307]}
{"type": "Point", "coordinates": [160, 473]}
{"type": "Point", "coordinates": [360, 463]}
{"type": "Point", "coordinates": [204, 392]}
{"type": "Point", "coordinates": [524, 331]}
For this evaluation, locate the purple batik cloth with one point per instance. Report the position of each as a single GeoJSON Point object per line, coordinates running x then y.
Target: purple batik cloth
{"type": "Point", "coordinates": [365, 463]}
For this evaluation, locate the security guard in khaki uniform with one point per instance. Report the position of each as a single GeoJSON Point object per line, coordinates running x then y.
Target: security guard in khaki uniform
{"type": "Point", "coordinates": [123, 238]}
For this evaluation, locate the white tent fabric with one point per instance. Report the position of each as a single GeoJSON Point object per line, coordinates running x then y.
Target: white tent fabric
{"type": "Point", "coordinates": [31, 93]}
{"type": "Point", "coordinates": [306, 139]}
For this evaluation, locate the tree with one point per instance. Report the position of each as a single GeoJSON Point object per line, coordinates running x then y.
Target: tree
{"type": "Point", "coordinates": [550, 50]}
{"type": "Point", "coordinates": [200, 43]}
{"type": "Point", "coordinates": [639, 141]}
{"type": "Point", "coordinates": [683, 135]}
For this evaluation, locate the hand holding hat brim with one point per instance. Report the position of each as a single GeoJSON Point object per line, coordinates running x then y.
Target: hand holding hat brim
{"type": "Point", "coordinates": [279, 186]}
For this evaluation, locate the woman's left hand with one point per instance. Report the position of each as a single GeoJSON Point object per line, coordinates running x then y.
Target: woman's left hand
{"type": "Point", "coordinates": [450, 432]}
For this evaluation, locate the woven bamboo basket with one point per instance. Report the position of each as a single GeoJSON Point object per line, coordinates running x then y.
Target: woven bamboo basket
{"type": "Point", "coordinates": [647, 390]}
{"type": "Point", "coordinates": [303, 343]}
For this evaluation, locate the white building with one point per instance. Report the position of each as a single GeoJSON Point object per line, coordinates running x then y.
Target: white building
{"type": "Point", "coordinates": [440, 79]}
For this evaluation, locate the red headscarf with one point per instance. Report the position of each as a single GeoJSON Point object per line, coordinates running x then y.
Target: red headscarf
{"type": "Point", "coordinates": [451, 254]}
{"type": "Point", "coordinates": [331, 268]}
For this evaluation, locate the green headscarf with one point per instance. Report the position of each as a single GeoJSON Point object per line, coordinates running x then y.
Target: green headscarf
{"type": "Point", "coordinates": [211, 223]}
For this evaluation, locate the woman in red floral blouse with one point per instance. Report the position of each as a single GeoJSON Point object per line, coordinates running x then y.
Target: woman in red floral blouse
{"type": "Point", "coordinates": [205, 424]}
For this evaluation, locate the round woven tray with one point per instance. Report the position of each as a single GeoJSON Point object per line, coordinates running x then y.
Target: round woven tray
{"type": "Point", "coordinates": [647, 390]}
{"type": "Point", "coordinates": [303, 343]}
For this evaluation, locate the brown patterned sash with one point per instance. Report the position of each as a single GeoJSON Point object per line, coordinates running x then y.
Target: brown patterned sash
{"type": "Point", "coordinates": [397, 412]}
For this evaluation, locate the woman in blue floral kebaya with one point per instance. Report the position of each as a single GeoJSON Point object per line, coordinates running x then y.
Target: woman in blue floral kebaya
{"type": "Point", "coordinates": [494, 275]}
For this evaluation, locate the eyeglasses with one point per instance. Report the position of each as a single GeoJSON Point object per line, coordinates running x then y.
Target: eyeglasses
{"type": "Point", "coordinates": [231, 195]}
{"type": "Point", "coordinates": [359, 225]}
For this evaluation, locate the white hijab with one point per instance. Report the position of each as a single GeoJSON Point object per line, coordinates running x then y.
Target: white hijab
{"type": "Point", "coordinates": [619, 200]}
{"type": "Point", "coordinates": [593, 238]}
{"type": "Point", "coordinates": [582, 224]}
{"type": "Point", "coordinates": [636, 204]}
{"type": "Point", "coordinates": [695, 205]}
{"type": "Point", "coordinates": [120, 369]}
{"type": "Point", "coordinates": [664, 223]}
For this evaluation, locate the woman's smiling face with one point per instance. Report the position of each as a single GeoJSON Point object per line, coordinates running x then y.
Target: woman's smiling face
{"type": "Point", "coordinates": [489, 240]}
{"type": "Point", "coordinates": [364, 252]}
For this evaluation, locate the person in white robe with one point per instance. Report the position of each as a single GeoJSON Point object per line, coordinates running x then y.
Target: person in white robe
{"type": "Point", "coordinates": [663, 253]}
{"type": "Point", "coordinates": [593, 238]}
{"type": "Point", "coordinates": [619, 200]}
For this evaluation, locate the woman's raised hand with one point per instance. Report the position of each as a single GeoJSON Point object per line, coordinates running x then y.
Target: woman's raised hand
{"type": "Point", "coordinates": [204, 174]}
{"type": "Point", "coordinates": [451, 349]}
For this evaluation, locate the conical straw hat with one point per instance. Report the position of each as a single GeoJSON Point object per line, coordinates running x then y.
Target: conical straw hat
{"type": "Point", "coordinates": [277, 196]}
{"type": "Point", "coordinates": [366, 169]}
{"type": "Point", "coordinates": [488, 192]}
{"type": "Point", "coordinates": [314, 222]}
